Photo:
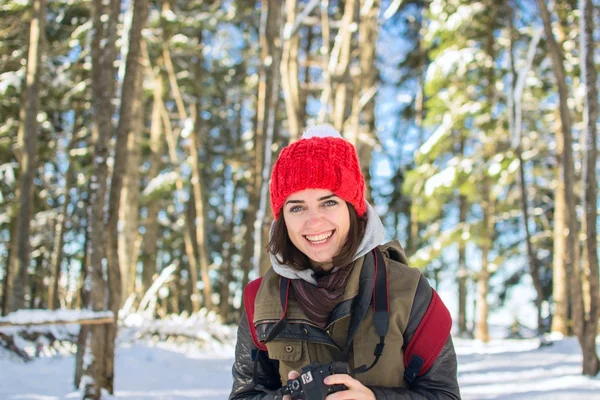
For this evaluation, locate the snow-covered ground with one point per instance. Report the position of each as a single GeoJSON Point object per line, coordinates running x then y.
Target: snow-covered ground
{"type": "Point", "coordinates": [520, 369]}
{"type": "Point", "coordinates": [148, 367]}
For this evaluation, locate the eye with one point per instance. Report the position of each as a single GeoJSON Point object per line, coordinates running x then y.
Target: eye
{"type": "Point", "coordinates": [295, 209]}
{"type": "Point", "coordinates": [330, 203]}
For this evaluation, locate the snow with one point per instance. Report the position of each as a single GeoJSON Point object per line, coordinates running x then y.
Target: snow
{"type": "Point", "coordinates": [11, 78]}
{"type": "Point", "coordinates": [518, 369]}
{"type": "Point", "coordinates": [454, 61]}
{"type": "Point", "coordinates": [440, 133]}
{"type": "Point", "coordinates": [152, 366]}
{"type": "Point", "coordinates": [143, 371]}
{"type": "Point", "coordinates": [159, 182]}
{"type": "Point", "coordinates": [47, 316]}
{"type": "Point", "coordinates": [7, 173]}
{"type": "Point", "coordinates": [444, 178]}
{"type": "Point", "coordinates": [462, 14]}
{"type": "Point", "coordinates": [188, 127]}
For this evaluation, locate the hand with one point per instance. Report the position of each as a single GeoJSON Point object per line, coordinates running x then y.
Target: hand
{"type": "Point", "coordinates": [291, 375]}
{"type": "Point", "coordinates": [355, 391]}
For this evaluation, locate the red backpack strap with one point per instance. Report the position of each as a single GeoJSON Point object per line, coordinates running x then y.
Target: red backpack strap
{"type": "Point", "coordinates": [249, 297]}
{"type": "Point", "coordinates": [429, 339]}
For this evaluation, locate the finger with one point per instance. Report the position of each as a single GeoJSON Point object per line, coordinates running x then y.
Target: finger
{"type": "Point", "coordinates": [343, 395]}
{"type": "Point", "coordinates": [346, 395]}
{"type": "Point", "coordinates": [356, 390]}
{"type": "Point", "coordinates": [343, 379]}
{"type": "Point", "coordinates": [293, 374]}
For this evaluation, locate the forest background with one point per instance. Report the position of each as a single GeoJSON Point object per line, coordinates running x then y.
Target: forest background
{"type": "Point", "coordinates": [137, 138]}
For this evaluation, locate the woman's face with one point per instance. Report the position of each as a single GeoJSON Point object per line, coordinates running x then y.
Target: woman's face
{"type": "Point", "coordinates": [317, 222]}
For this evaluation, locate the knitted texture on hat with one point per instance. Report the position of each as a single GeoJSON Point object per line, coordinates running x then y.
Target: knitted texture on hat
{"type": "Point", "coordinates": [320, 160]}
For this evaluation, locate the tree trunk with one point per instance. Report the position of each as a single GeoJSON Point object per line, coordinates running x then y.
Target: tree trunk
{"type": "Point", "coordinates": [364, 94]}
{"type": "Point", "coordinates": [27, 148]}
{"type": "Point", "coordinates": [36, 278]}
{"type": "Point", "coordinates": [129, 241]}
{"type": "Point", "coordinates": [560, 285]}
{"type": "Point", "coordinates": [307, 79]}
{"type": "Point", "coordinates": [130, 107]}
{"type": "Point", "coordinates": [228, 248]}
{"type": "Point", "coordinates": [324, 113]}
{"type": "Point", "coordinates": [463, 271]}
{"type": "Point", "coordinates": [515, 122]}
{"type": "Point", "coordinates": [225, 277]}
{"type": "Point", "coordinates": [199, 190]}
{"type": "Point", "coordinates": [71, 296]}
{"type": "Point", "coordinates": [7, 285]}
{"type": "Point", "coordinates": [268, 100]}
{"type": "Point", "coordinates": [249, 215]}
{"type": "Point", "coordinates": [187, 237]}
{"type": "Point", "coordinates": [105, 20]}
{"type": "Point", "coordinates": [341, 59]}
{"type": "Point", "coordinates": [564, 139]}
{"type": "Point", "coordinates": [129, 238]}
{"type": "Point", "coordinates": [84, 301]}
{"type": "Point", "coordinates": [289, 71]}
{"type": "Point", "coordinates": [591, 364]}
{"type": "Point", "coordinates": [190, 227]}
{"type": "Point", "coordinates": [249, 219]}
{"type": "Point", "coordinates": [413, 205]}
{"type": "Point", "coordinates": [131, 87]}
{"type": "Point", "coordinates": [483, 279]}
{"type": "Point", "coordinates": [488, 203]}
{"type": "Point", "coordinates": [59, 235]}
{"type": "Point", "coordinates": [175, 294]}
{"type": "Point", "coordinates": [150, 239]}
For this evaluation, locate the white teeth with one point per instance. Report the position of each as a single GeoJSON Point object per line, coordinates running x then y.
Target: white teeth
{"type": "Point", "coordinates": [319, 238]}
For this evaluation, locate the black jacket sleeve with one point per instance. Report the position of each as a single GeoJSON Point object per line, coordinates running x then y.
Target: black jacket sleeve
{"type": "Point", "coordinates": [248, 384]}
{"type": "Point", "coordinates": [440, 382]}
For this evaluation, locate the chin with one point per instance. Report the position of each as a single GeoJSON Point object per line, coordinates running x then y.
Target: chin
{"type": "Point", "coordinates": [321, 258]}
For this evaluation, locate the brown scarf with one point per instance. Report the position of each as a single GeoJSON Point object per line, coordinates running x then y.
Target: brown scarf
{"type": "Point", "coordinates": [317, 302]}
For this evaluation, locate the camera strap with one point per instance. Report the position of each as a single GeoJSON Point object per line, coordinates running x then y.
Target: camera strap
{"type": "Point", "coordinates": [381, 310]}
{"type": "Point", "coordinates": [284, 288]}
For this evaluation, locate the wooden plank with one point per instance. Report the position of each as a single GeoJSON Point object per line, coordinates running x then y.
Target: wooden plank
{"type": "Point", "coordinates": [87, 321]}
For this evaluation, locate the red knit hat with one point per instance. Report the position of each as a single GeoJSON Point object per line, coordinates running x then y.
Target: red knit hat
{"type": "Point", "coordinates": [321, 159]}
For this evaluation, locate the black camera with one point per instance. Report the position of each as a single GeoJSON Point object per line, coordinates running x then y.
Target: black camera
{"type": "Point", "coordinates": [309, 385]}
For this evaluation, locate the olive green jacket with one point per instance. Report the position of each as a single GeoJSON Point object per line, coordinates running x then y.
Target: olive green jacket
{"type": "Point", "coordinates": [346, 338]}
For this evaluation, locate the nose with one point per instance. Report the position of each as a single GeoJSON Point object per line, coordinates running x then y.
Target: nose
{"type": "Point", "coordinates": [313, 219]}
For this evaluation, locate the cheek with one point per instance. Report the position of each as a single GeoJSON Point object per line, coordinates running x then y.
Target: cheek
{"type": "Point", "coordinates": [291, 224]}
{"type": "Point", "coordinates": [292, 228]}
{"type": "Point", "coordinates": [344, 227]}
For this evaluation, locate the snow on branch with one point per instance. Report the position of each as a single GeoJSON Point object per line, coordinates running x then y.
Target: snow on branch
{"type": "Point", "coordinates": [440, 133]}
{"type": "Point", "coordinates": [455, 62]}
{"type": "Point", "coordinates": [289, 30]}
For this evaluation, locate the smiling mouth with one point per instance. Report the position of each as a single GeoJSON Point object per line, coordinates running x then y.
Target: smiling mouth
{"type": "Point", "coordinates": [320, 238]}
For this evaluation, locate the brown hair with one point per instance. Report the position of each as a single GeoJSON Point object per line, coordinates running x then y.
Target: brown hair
{"type": "Point", "coordinates": [287, 253]}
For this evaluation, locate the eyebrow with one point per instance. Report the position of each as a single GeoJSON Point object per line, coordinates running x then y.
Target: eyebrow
{"type": "Point", "coordinates": [319, 199]}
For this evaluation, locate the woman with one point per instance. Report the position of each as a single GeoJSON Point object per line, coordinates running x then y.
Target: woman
{"type": "Point", "coordinates": [326, 298]}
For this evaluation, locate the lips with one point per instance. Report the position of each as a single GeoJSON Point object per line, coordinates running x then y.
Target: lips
{"type": "Point", "coordinates": [320, 238]}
